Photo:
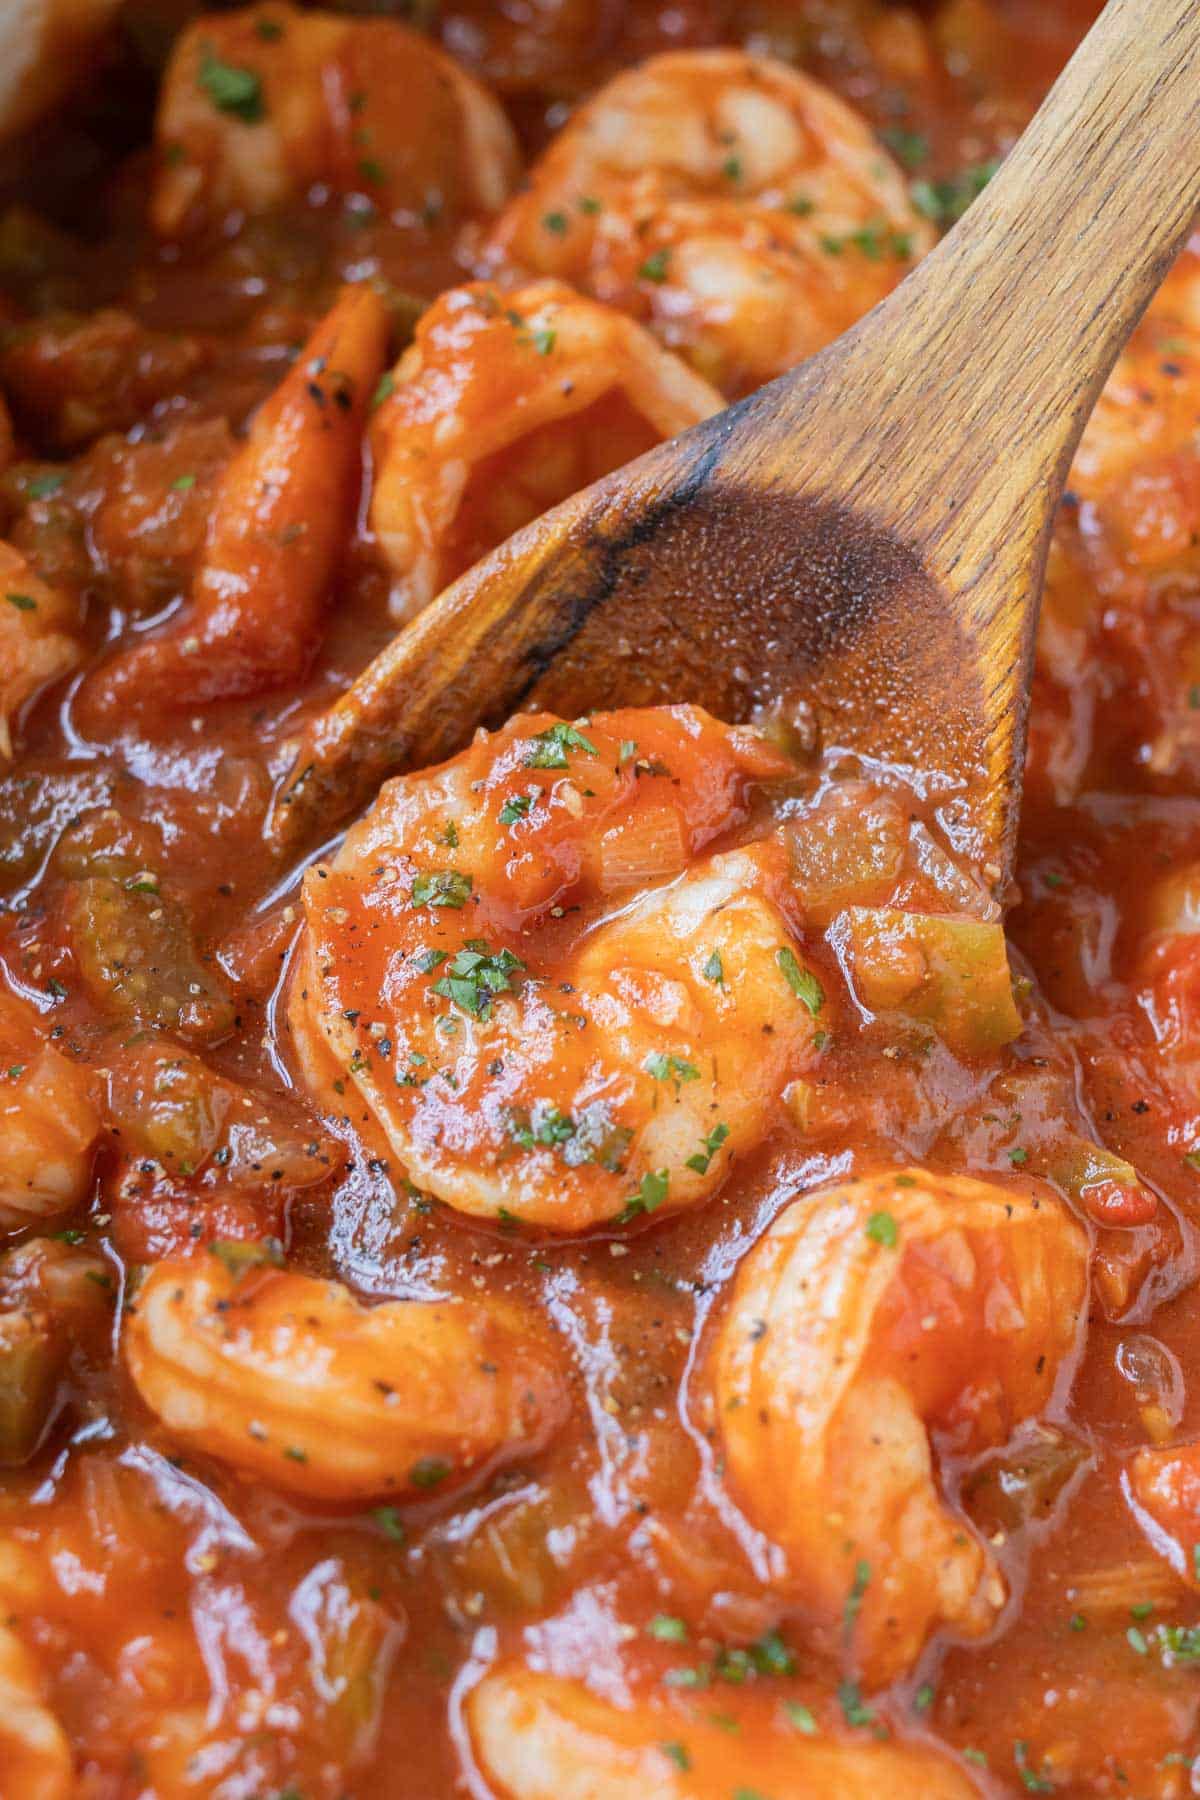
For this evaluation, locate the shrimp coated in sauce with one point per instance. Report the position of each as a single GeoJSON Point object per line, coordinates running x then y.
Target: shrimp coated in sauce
{"type": "Point", "coordinates": [280, 521]}
{"type": "Point", "coordinates": [261, 105]}
{"type": "Point", "coordinates": [502, 406]}
{"type": "Point", "coordinates": [868, 1317]}
{"type": "Point", "coordinates": [38, 638]}
{"type": "Point", "coordinates": [542, 1737]}
{"type": "Point", "coordinates": [1136, 474]}
{"type": "Point", "coordinates": [35, 1758]}
{"type": "Point", "coordinates": [742, 210]}
{"type": "Point", "coordinates": [49, 1121]}
{"type": "Point", "coordinates": [521, 1065]}
{"type": "Point", "coordinates": [295, 1383]}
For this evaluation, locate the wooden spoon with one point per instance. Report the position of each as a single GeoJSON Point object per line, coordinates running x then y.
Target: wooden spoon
{"type": "Point", "coordinates": [871, 529]}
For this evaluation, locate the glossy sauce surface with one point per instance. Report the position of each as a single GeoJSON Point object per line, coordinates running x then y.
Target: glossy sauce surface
{"type": "Point", "coordinates": [607, 1549]}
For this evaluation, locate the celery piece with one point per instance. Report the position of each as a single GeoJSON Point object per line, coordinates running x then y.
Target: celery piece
{"type": "Point", "coordinates": [951, 973]}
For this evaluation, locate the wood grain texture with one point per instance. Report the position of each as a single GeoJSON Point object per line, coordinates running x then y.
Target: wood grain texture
{"type": "Point", "coordinates": [869, 530]}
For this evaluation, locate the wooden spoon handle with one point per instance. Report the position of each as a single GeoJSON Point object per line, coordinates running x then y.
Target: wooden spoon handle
{"type": "Point", "coordinates": [987, 361]}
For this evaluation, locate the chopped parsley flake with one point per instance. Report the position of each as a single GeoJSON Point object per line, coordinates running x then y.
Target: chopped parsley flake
{"type": "Point", "coordinates": [668, 1068]}
{"type": "Point", "coordinates": [428, 1472]}
{"type": "Point", "coordinates": [1030, 1781]}
{"type": "Point", "coordinates": [678, 1755]}
{"type": "Point", "coordinates": [1179, 1643]}
{"type": "Point", "coordinates": [591, 1136]}
{"type": "Point", "coordinates": [390, 1523]}
{"type": "Point", "coordinates": [801, 1717]}
{"type": "Point", "coordinates": [42, 486]}
{"type": "Point", "coordinates": [650, 1195]}
{"type": "Point", "coordinates": [883, 1229]}
{"type": "Point", "coordinates": [516, 807]}
{"type": "Point", "coordinates": [22, 602]}
{"type": "Point", "coordinates": [711, 1144]}
{"type": "Point", "coordinates": [442, 887]}
{"type": "Point", "coordinates": [714, 969]}
{"type": "Point", "coordinates": [854, 1708]}
{"type": "Point", "coordinates": [231, 89]}
{"type": "Point", "coordinates": [854, 1599]}
{"type": "Point", "coordinates": [909, 147]}
{"type": "Point", "coordinates": [549, 748]}
{"type": "Point", "coordinates": [802, 982]}
{"type": "Point", "coordinates": [655, 267]}
{"type": "Point", "coordinates": [475, 975]}
{"type": "Point", "coordinates": [667, 1630]}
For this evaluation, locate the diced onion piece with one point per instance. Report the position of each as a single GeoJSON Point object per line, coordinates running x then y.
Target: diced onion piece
{"type": "Point", "coordinates": [950, 972]}
{"type": "Point", "coordinates": [848, 851]}
{"type": "Point", "coordinates": [646, 848]}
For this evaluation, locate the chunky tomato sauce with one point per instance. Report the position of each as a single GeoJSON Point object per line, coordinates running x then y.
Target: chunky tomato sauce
{"type": "Point", "coordinates": [607, 1268]}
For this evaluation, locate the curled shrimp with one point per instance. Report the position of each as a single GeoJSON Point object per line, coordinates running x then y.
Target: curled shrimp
{"type": "Point", "coordinates": [39, 641]}
{"type": "Point", "coordinates": [292, 1381]}
{"type": "Point", "coordinates": [562, 1073]}
{"type": "Point", "coordinates": [34, 1754]}
{"type": "Point", "coordinates": [543, 1737]}
{"type": "Point", "coordinates": [501, 407]}
{"type": "Point", "coordinates": [49, 1121]}
{"type": "Point", "coordinates": [868, 1317]}
{"type": "Point", "coordinates": [738, 207]}
{"type": "Point", "coordinates": [281, 517]}
{"type": "Point", "coordinates": [1136, 474]}
{"type": "Point", "coordinates": [260, 105]}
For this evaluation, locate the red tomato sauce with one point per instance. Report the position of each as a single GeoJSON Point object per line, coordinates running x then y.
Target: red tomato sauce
{"type": "Point", "coordinates": [390, 1217]}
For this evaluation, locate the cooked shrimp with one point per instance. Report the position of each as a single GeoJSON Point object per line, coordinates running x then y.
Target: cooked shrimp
{"type": "Point", "coordinates": [746, 213]}
{"type": "Point", "coordinates": [868, 1317]}
{"type": "Point", "coordinates": [258, 106]}
{"type": "Point", "coordinates": [44, 49]}
{"type": "Point", "coordinates": [290, 1380]}
{"type": "Point", "coordinates": [503, 406]}
{"type": "Point", "coordinates": [49, 1122]}
{"type": "Point", "coordinates": [282, 515]}
{"type": "Point", "coordinates": [541, 1737]}
{"type": "Point", "coordinates": [521, 1068]}
{"type": "Point", "coordinates": [1137, 473]}
{"type": "Point", "coordinates": [38, 641]}
{"type": "Point", "coordinates": [34, 1754]}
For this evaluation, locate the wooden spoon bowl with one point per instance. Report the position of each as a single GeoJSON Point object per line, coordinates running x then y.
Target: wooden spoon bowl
{"type": "Point", "coordinates": [869, 531]}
